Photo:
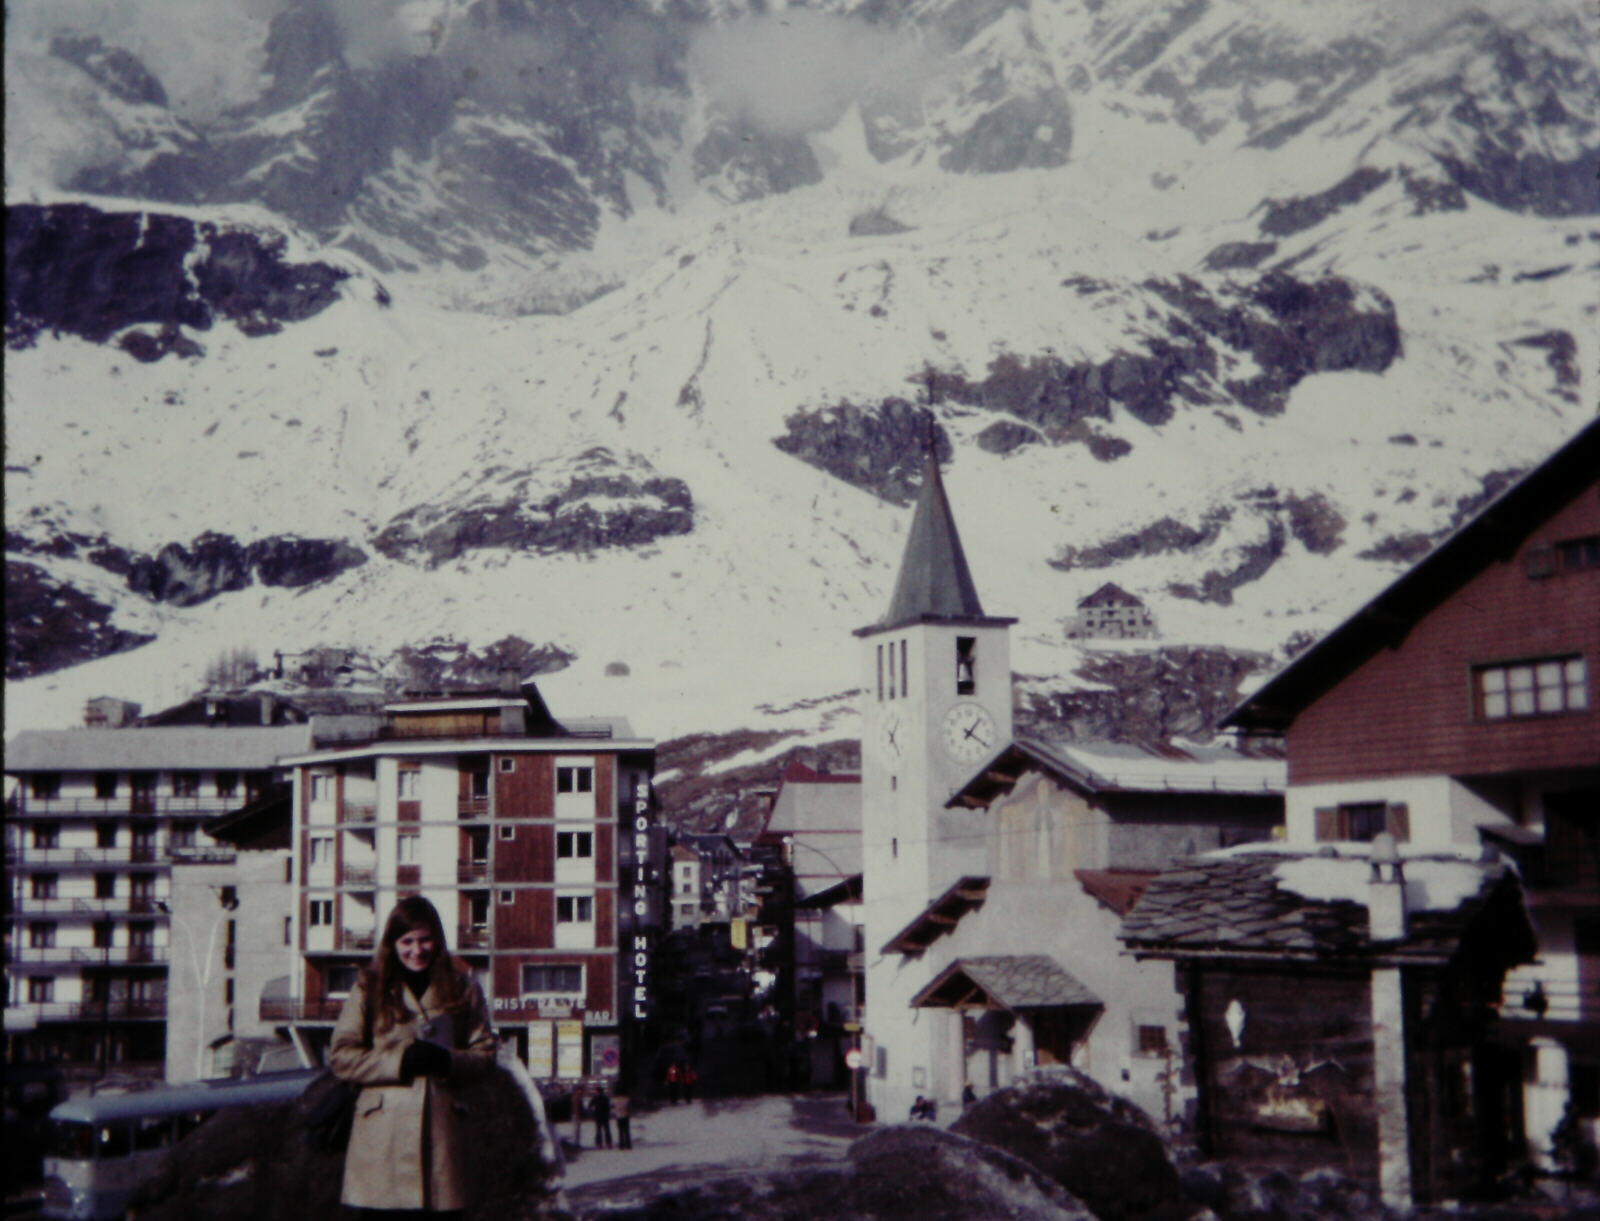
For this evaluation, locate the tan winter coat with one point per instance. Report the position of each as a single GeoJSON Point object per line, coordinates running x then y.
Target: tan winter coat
{"type": "Point", "coordinates": [405, 1144]}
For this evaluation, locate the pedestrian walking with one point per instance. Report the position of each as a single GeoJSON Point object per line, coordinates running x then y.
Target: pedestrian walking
{"type": "Point", "coordinates": [673, 1077]}
{"type": "Point", "coordinates": [414, 1027]}
{"type": "Point", "coordinates": [602, 1119]}
{"type": "Point", "coordinates": [968, 1095]}
{"type": "Point", "coordinates": [622, 1108]}
{"type": "Point", "coordinates": [690, 1079]}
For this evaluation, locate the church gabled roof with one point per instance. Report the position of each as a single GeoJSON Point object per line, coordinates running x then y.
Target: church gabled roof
{"type": "Point", "coordinates": [934, 581]}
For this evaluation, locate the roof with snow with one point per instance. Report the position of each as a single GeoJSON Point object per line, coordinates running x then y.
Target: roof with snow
{"type": "Point", "coordinates": [1272, 903]}
{"type": "Point", "coordinates": [1126, 767]}
{"type": "Point", "coordinates": [934, 581]}
{"type": "Point", "coordinates": [1491, 537]}
{"type": "Point", "coordinates": [189, 748]}
{"type": "Point", "coordinates": [1004, 981]}
{"type": "Point", "coordinates": [1111, 594]}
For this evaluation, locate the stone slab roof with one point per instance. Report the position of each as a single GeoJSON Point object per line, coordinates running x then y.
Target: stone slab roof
{"type": "Point", "coordinates": [1236, 904]}
{"type": "Point", "coordinates": [1005, 981]}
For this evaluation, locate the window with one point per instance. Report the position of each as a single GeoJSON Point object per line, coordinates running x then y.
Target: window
{"type": "Point", "coordinates": [478, 781]}
{"type": "Point", "coordinates": [105, 784]}
{"type": "Point", "coordinates": [574, 909]}
{"type": "Point", "coordinates": [508, 763]}
{"type": "Point", "coordinates": [1540, 687]}
{"type": "Point", "coordinates": [227, 990]}
{"type": "Point", "coordinates": [880, 674]}
{"type": "Point", "coordinates": [105, 885]}
{"type": "Point", "coordinates": [478, 846]}
{"type": "Point", "coordinates": [574, 845]}
{"type": "Point", "coordinates": [227, 783]}
{"type": "Point", "coordinates": [288, 930]}
{"type": "Point", "coordinates": [966, 661]}
{"type": "Point", "coordinates": [545, 978]}
{"type": "Point", "coordinates": [507, 898]}
{"type": "Point", "coordinates": [41, 989]}
{"type": "Point", "coordinates": [141, 933]}
{"type": "Point", "coordinates": [46, 836]}
{"type": "Point", "coordinates": [321, 787]}
{"type": "Point", "coordinates": [45, 784]}
{"type": "Point", "coordinates": [341, 979]}
{"type": "Point", "coordinates": [42, 934]}
{"type": "Point", "coordinates": [321, 850]}
{"type": "Point", "coordinates": [105, 835]}
{"type": "Point", "coordinates": [905, 681]}
{"type": "Point", "coordinates": [406, 849]}
{"type": "Point", "coordinates": [410, 782]}
{"type": "Point", "coordinates": [891, 669]}
{"type": "Point", "coordinates": [142, 885]}
{"type": "Point", "coordinates": [104, 932]}
{"type": "Point", "coordinates": [1574, 554]}
{"type": "Point", "coordinates": [182, 835]}
{"type": "Point", "coordinates": [507, 831]}
{"type": "Point", "coordinates": [288, 869]}
{"type": "Point", "coordinates": [43, 885]}
{"type": "Point", "coordinates": [1361, 821]}
{"type": "Point", "coordinates": [320, 912]}
{"type": "Point", "coordinates": [1150, 1040]}
{"type": "Point", "coordinates": [574, 779]}
{"type": "Point", "coordinates": [186, 784]}
{"type": "Point", "coordinates": [478, 909]}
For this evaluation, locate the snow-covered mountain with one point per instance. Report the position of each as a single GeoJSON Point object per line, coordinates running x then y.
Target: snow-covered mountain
{"type": "Point", "coordinates": [616, 326]}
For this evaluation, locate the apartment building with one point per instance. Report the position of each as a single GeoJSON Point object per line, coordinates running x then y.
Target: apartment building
{"type": "Point", "coordinates": [95, 820]}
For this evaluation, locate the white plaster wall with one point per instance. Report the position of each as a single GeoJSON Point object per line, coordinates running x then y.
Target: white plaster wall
{"type": "Point", "coordinates": [1429, 801]}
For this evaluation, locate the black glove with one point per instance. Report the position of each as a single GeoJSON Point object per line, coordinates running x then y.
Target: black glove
{"type": "Point", "coordinates": [424, 1060]}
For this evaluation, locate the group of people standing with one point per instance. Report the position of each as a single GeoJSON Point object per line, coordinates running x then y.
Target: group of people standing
{"type": "Point", "coordinates": [603, 1108]}
{"type": "Point", "coordinates": [681, 1080]}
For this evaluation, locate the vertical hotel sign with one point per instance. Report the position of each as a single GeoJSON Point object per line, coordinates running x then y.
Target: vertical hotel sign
{"type": "Point", "coordinates": [639, 957]}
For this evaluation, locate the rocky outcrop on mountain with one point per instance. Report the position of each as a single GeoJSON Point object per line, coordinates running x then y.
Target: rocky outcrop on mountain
{"type": "Point", "coordinates": [1146, 696]}
{"type": "Point", "coordinates": [119, 71]}
{"type": "Point", "coordinates": [1290, 216]}
{"type": "Point", "coordinates": [702, 794]}
{"type": "Point", "coordinates": [75, 269]}
{"type": "Point", "coordinates": [50, 625]}
{"type": "Point", "coordinates": [600, 505]}
{"type": "Point", "coordinates": [444, 665]}
{"type": "Point", "coordinates": [881, 448]}
{"type": "Point", "coordinates": [1254, 559]}
{"type": "Point", "coordinates": [1160, 537]}
{"type": "Point", "coordinates": [216, 563]}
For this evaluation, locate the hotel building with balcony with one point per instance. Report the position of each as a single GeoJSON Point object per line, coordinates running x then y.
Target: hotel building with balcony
{"type": "Point", "coordinates": [532, 838]}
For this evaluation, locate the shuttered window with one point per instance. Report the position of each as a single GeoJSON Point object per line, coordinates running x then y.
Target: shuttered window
{"type": "Point", "coordinates": [1360, 821]}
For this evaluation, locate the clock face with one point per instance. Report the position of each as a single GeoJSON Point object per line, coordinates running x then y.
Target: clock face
{"type": "Point", "coordinates": [891, 735]}
{"type": "Point", "coordinates": [969, 733]}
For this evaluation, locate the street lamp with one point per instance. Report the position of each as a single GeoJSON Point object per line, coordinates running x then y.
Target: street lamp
{"type": "Point", "coordinates": [228, 902]}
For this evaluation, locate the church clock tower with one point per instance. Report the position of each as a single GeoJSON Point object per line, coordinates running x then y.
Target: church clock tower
{"type": "Point", "coordinates": [936, 705]}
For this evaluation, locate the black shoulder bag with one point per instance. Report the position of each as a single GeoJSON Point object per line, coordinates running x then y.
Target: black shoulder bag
{"type": "Point", "coordinates": [328, 1103]}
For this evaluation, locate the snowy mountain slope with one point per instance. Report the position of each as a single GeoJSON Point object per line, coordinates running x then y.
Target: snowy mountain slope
{"type": "Point", "coordinates": [606, 479]}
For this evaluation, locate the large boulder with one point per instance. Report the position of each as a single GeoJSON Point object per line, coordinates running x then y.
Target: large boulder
{"type": "Point", "coordinates": [1101, 1148]}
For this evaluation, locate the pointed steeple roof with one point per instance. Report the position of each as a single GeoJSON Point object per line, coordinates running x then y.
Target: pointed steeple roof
{"type": "Point", "coordinates": [934, 581]}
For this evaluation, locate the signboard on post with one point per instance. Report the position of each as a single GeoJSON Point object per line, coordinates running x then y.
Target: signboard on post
{"type": "Point", "coordinates": [541, 1049]}
{"type": "Point", "coordinates": [569, 1050]}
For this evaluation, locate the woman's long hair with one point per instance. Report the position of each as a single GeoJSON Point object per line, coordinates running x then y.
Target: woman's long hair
{"type": "Point", "coordinates": [386, 975]}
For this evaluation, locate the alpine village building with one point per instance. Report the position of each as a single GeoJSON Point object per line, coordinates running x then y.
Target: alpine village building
{"type": "Point", "coordinates": [1409, 988]}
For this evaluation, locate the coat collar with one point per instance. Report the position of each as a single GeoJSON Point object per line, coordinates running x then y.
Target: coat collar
{"type": "Point", "coordinates": [427, 1006]}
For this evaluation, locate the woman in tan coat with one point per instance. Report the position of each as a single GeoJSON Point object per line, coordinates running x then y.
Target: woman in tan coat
{"type": "Point", "coordinates": [415, 1024]}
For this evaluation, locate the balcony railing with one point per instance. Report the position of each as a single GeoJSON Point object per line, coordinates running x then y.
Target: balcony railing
{"type": "Point", "coordinates": [196, 854]}
{"type": "Point", "coordinates": [137, 905]}
{"type": "Point", "coordinates": [1550, 998]}
{"type": "Point", "coordinates": [359, 811]}
{"type": "Point", "coordinates": [139, 854]}
{"type": "Point", "coordinates": [351, 939]}
{"type": "Point", "coordinates": [472, 871]}
{"type": "Point", "coordinates": [141, 804]}
{"type": "Point", "coordinates": [91, 1010]}
{"type": "Point", "coordinates": [473, 938]}
{"type": "Point", "coordinates": [113, 955]}
{"type": "Point", "coordinates": [358, 875]}
{"type": "Point", "coordinates": [327, 1010]}
{"type": "Point", "coordinates": [472, 807]}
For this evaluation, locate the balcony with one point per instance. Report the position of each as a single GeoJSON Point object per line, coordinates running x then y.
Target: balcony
{"type": "Point", "coordinates": [472, 871]}
{"type": "Point", "coordinates": [326, 1010]}
{"type": "Point", "coordinates": [116, 905]}
{"type": "Point", "coordinates": [351, 939]}
{"type": "Point", "coordinates": [84, 1011]}
{"type": "Point", "coordinates": [473, 939]}
{"type": "Point", "coordinates": [195, 854]}
{"type": "Point", "coordinates": [473, 807]}
{"type": "Point", "coordinates": [115, 955]}
{"type": "Point", "coordinates": [143, 805]}
{"type": "Point", "coordinates": [358, 811]}
{"type": "Point", "coordinates": [358, 875]}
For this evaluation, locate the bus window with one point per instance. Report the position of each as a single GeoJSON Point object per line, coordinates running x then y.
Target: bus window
{"type": "Point", "coordinates": [70, 1140]}
{"type": "Point", "coordinates": [113, 1140]}
{"type": "Point", "coordinates": [151, 1133]}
